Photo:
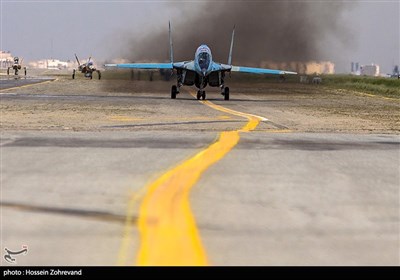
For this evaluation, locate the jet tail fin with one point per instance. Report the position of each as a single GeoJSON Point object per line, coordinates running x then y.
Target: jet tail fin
{"type": "Point", "coordinates": [231, 48]}
{"type": "Point", "coordinates": [171, 47]}
{"type": "Point", "coordinates": [77, 59]}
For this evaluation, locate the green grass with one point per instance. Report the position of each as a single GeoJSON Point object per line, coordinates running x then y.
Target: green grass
{"type": "Point", "coordinates": [388, 87]}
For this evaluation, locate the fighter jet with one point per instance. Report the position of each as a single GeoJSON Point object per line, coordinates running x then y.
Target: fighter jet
{"type": "Point", "coordinates": [86, 68]}
{"type": "Point", "coordinates": [16, 66]}
{"type": "Point", "coordinates": [201, 71]}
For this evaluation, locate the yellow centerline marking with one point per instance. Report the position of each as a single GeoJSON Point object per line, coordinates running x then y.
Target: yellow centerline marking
{"type": "Point", "coordinates": [368, 94]}
{"type": "Point", "coordinates": [126, 240]}
{"type": "Point", "coordinates": [125, 119]}
{"type": "Point", "coordinates": [378, 96]}
{"type": "Point", "coordinates": [168, 231]}
{"type": "Point", "coordinates": [29, 85]}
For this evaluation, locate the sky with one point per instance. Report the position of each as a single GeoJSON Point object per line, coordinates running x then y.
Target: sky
{"type": "Point", "coordinates": [105, 29]}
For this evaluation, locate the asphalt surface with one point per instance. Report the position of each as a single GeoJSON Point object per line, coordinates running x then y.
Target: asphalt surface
{"type": "Point", "coordinates": [277, 197]}
{"type": "Point", "coordinates": [12, 82]}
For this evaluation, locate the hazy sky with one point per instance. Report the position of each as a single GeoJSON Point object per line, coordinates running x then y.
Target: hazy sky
{"type": "Point", "coordinates": [58, 29]}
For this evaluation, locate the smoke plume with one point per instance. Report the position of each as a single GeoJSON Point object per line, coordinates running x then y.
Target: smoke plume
{"type": "Point", "coordinates": [277, 31]}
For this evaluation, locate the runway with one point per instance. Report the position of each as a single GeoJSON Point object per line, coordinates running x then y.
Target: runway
{"type": "Point", "coordinates": [11, 82]}
{"type": "Point", "coordinates": [93, 177]}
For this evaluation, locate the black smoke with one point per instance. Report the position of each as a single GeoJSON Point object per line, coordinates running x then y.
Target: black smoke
{"type": "Point", "coordinates": [277, 31]}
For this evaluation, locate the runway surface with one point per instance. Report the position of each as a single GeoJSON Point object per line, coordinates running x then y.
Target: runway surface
{"type": "Point", "coordinates": [12, 82]}
{"type": "Point", "coordinates": [151, 181]}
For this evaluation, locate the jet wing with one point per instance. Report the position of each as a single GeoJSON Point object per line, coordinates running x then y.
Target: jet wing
{"type": "Point", "coordinates": [260, 70]}
{"type": "Point", "coordinates": [220, 67]}
{"type": "Point", "coordinates": [184, 65]}
{"type": "Point", "coordinates": [187, 65]}
{"type": "Point", "coordinates": [142, 65]}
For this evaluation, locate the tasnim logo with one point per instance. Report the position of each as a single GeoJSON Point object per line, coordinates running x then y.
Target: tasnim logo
{"type": "Point", "coordinates": [8, 256]}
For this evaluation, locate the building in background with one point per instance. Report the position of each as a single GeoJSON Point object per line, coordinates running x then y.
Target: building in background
{"type": "Point", "coordinates": [6, 59]}
{"type": "Point", "coordinates": [308, 68]}
{"type": "Point", "coordinates": [370, 70]}
{"type": "Point", "coordinates": [355, 68]}
{"type": "Point", "coordinates": [51, 64]}
{"type": "Point", "coordinates": [396, 71]}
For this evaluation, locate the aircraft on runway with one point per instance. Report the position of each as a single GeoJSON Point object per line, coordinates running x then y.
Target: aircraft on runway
{"type": "Point", "coordinates": [86, 68]}
{"type": "Point", "coordinates": [16, 66]}
{"type": "Point", "coordinates": [201, 71]}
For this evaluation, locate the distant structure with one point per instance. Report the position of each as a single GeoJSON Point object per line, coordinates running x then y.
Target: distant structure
{"type": "Point", "coordinates": [370, 70]}
{"type": "Point", "coordinates": [355, 68]}
{"type": "Point", "coordinates": [6, 59]}
{"type": "Point", "coordinates": [51, 64]}
{"type": "Point", "coordinates": [308, 68]}
{"type": "Point", "coordinates": [396, 71]}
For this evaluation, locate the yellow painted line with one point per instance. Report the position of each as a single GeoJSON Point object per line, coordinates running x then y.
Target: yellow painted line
{"type": "Point", "coordinates": [126, 240]}
{"type": "Point", "coordinates": [168, 231]}
{"type": "Point", "coordinates": [389, 98]}
{"type": "Point", "coordinates": [224, 117]}
{"type": "Point", "coordinates": [275, 130]}
{"type": "Point", "coordinates": [229, 111]}
{"type": "Point", "coordinates": [125, 118]}
{"type": "Point", "coordinates": [378, 96]}
{"type": "Point", "coordinates": [23, 86]}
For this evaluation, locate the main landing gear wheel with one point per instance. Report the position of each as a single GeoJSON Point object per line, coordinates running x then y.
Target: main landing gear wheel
{"type": "Point", "coordinates": [99, 74]}
{"type": "Point", "coordinates": [173, 92]}
{"type": "Point", "coordinates": [226, 93]}
{"type": "Point", "coordinates": [73, 74]}
{"type": "Point", "coordinates": [201, 95]}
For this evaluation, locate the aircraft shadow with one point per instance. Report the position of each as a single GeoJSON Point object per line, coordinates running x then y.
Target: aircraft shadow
{"type": "Point", "coordinates": [130, 97]}
{"type": "Point", "coordinates": [79, 213]}
{"type": "Point", "coordinates": [171, 123]}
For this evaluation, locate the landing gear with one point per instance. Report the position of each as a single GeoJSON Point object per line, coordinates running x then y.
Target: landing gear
{"type": "Point", "coordinates": [226, 93]}
{"type": "Point", "coordinates": [201, 94]}
{"type": "Point", "coordinates": [174, 91]}
{"type": "Point", "coordinates": [99, 74]}
{"type": "Point", "coordinates": [73, 74]}
{"type": "Point", "coordinates": [15, 69]}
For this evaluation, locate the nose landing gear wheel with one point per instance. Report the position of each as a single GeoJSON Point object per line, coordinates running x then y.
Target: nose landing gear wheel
{"type": "Point", "coordinates": [198, 95]}
{"type": "Point", "coordinates": [226, 93]}
{"type": "Point", "coordinates": [203, 96]}
{"type": "Point", "coordinates": [173, 92]}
